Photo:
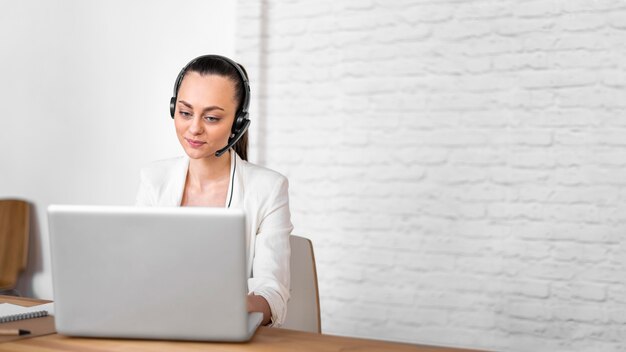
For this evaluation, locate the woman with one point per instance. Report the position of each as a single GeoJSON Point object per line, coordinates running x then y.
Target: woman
{"type": "Point", "coordinates": [209, 108]}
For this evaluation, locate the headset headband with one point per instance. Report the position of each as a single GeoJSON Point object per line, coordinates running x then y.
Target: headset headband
{"type": "Point", "coordinates": [244, 79]}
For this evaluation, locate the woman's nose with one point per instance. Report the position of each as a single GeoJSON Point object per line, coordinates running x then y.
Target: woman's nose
{"type": "Point", "coordinates": [196, 125]}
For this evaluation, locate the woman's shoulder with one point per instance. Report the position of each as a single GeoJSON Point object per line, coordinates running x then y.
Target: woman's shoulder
{"type": "Point", "coordinates": [163, 169]}
{"type": "Point", "coordinates": [261, 176]}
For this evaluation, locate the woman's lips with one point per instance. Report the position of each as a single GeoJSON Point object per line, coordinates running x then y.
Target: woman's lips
{"type": "Point", "coordinates": [194, 143]}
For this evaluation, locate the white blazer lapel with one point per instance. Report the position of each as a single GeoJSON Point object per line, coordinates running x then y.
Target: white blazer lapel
{"type": "Point", "coordinates": [173, 191]}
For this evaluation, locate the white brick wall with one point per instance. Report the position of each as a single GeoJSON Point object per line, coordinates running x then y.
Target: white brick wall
{"type": "Point", "coordinates": [460, 165]}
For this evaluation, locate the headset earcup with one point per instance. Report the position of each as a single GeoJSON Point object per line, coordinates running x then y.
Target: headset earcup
{"type": "Point", "coordinates": [240, 122]}
{"type": "Point", "coordinates": [172, 106]}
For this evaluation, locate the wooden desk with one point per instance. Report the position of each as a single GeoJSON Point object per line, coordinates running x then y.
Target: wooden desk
{"type": "Point", "coordinates": [265, 339]}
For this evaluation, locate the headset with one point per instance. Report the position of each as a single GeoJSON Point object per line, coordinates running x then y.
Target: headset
{"type": "Point", "coordinates": [241, 122]}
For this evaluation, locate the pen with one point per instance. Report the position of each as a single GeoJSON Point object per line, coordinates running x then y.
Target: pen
{"type": "Point", "coordinates": [13, 332]}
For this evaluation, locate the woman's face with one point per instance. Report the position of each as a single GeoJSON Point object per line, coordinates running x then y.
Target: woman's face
{"type": "Point", "coordinates": [204, 114]}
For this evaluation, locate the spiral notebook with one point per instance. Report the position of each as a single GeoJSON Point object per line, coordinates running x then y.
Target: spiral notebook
{"type": "Point", "coordinates": [12, 312]}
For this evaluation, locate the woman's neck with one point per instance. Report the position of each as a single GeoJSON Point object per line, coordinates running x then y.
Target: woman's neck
{"type": "Point", "coordinates": [206, 171]}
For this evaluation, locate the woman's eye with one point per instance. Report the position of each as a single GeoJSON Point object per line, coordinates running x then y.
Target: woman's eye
{"type": "Point", "coordinates": [211, 118]}
{"type": "Point", "coordinates": [184, 114]}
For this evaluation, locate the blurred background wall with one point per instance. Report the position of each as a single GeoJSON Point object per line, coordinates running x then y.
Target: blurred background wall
{"type": "Point", "coordinates": [459, 165]}
{"type": "Point", "coordinates": [85, 94]}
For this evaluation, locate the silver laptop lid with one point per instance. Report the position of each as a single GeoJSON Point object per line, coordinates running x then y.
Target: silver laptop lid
{"type": "Point", "coordinates": [165, 273]}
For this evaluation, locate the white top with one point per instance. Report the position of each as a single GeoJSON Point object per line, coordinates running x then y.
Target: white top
{"type": "Point", "coordinates": [263, 196]}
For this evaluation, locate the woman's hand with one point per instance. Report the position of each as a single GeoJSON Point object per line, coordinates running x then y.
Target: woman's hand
{"type": "Point", "coordinates": [259, 304]}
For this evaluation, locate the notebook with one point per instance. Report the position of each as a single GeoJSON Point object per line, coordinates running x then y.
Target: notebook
{"type": "Point", "coordinates": [150, 273]}
{"type": "Point", "coordinates": [12, 312]}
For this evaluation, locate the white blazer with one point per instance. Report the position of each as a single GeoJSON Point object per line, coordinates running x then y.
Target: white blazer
{"type": "Point", "coordinates": [263, 195]}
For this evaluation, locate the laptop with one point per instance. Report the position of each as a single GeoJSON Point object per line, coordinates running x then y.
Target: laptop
{"type": "Point", "coordinates": [150, 273]}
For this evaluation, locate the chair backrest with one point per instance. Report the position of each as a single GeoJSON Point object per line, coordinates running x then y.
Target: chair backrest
{"type": "Point", "coordinates": [303, 308]}
{"type": "Point", "coordinates": [14, 231]}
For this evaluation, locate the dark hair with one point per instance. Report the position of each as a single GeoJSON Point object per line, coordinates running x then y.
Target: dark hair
{"type": "Point", "coordinates": [214, 65]}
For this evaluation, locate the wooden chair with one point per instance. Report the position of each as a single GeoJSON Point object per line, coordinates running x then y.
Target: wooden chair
{"type": "Point", "coordinates": [303, 308]}
{"type": "Point", "coordinates": [14, 232]}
